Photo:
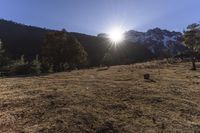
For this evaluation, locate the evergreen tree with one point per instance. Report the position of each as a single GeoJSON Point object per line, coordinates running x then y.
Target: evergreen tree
{"type": "Point", "coordinates": [3, 58]}
{"type": "Point", "coordinates": [22, 60]}
{"type": "Point", "coordinates": [2, 51]}
{"type": "Point", "coordinates": [192, 41]}
{"type": "Point", "coordinates": [36, 65]}
{"type": "Point", "coordinates": [62, 51]}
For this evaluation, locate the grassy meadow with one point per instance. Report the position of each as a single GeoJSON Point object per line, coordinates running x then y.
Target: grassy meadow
{"type": "Point", "coordinates": [104, 100]}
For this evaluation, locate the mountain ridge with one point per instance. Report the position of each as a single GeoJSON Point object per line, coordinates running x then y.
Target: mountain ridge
{"type": "Point", "coordinates": [21, 39]}
{"type": "Point", "coordinates": [156, 40]}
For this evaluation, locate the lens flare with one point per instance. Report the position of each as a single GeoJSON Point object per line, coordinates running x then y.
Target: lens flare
{"type": "Point", "coordinates": [116, 35]}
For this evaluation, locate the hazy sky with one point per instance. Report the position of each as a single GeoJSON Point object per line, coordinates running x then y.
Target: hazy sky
{"type": "Point", "coordinates": [96, 16]}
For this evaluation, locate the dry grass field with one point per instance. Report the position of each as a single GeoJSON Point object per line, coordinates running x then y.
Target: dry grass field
{"type": "Point", "coordinates": [114, 100]}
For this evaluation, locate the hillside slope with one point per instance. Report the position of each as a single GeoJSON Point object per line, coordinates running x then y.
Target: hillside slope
{"type": "Point", "coordinates": [20, 39]}
{"type": "Point", "coordinates": [100, 100]}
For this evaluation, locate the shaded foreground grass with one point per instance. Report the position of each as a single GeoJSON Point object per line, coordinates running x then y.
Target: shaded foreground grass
{"type": "Point", "coordinates": [104, 101]}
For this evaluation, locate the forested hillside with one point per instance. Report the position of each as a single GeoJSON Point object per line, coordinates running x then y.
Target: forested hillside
{"type": "Point", "coordinates": [26, 40]}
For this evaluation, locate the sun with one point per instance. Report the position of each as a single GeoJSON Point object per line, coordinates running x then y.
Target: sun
{"type": "Point", "coordinates": [116, 35]}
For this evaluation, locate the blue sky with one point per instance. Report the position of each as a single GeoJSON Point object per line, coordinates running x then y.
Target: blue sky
{"type": "Point", "coordinates": [97, 16]}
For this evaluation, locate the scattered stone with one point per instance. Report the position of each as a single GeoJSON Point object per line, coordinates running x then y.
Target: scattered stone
{"type": "Point", "coordinates": [147, 78]}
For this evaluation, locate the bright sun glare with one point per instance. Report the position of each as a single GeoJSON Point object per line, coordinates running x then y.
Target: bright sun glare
{"type": "Point", "coordinates": [116, 35]}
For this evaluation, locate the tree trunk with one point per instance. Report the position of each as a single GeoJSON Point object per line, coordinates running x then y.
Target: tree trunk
{"type": "Point", "coordinates": [193, 63]}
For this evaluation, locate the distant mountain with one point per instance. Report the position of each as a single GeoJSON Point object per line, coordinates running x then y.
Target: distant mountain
{"type": "Point", "coordinates": [20, 39]}
{"type": "Point", "coordinates": [157, 40]}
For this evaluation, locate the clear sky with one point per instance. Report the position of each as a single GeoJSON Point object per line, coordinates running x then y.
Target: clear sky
{"type": "Point", "coordinates": [97, 16]}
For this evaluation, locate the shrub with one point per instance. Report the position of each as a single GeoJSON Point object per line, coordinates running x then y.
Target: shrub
{"type": "Point", "coordinates": [22, 67]}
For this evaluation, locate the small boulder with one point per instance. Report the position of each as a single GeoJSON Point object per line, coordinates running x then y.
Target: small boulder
{"type": "Point", "coordinates": [146, 76]}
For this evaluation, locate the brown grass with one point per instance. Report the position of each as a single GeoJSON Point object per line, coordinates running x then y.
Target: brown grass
{"type": "Point", "coordinates": [104, 100]}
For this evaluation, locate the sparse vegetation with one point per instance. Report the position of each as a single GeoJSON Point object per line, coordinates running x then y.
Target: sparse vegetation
{"type": "Point", "coordinates": [113, 100]}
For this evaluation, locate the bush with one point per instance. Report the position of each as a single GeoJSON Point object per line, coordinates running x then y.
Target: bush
{"type": "Point", "coordinates": [27, 69]}
{"type": "Point", "coordinates": [20, 70]}
{"type": "Point", "coordinates": [46, 67]}
{"type": "Point", "coordinates": [22, 67]}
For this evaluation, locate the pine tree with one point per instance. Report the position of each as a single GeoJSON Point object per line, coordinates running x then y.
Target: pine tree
{"type": "Point", "coordinates": [36, 65]}
{"type": "Point", "coordinates": [20, 61]}
{"type": "Point", "coordinates": [2, 51]}
{"type": "Point", "coordinates": [3, 58]}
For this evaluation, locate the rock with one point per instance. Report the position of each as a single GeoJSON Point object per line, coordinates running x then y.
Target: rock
{"type": "Point", "coordinates": [146, 76]}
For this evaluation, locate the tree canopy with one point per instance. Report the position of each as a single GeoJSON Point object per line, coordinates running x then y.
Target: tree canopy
{"type": "Point", "coordinates": [192, 37]}
{"type": "Point", "coordinates": [62, 51]}
{"type": "Point", "coordinates": [192, 41]}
